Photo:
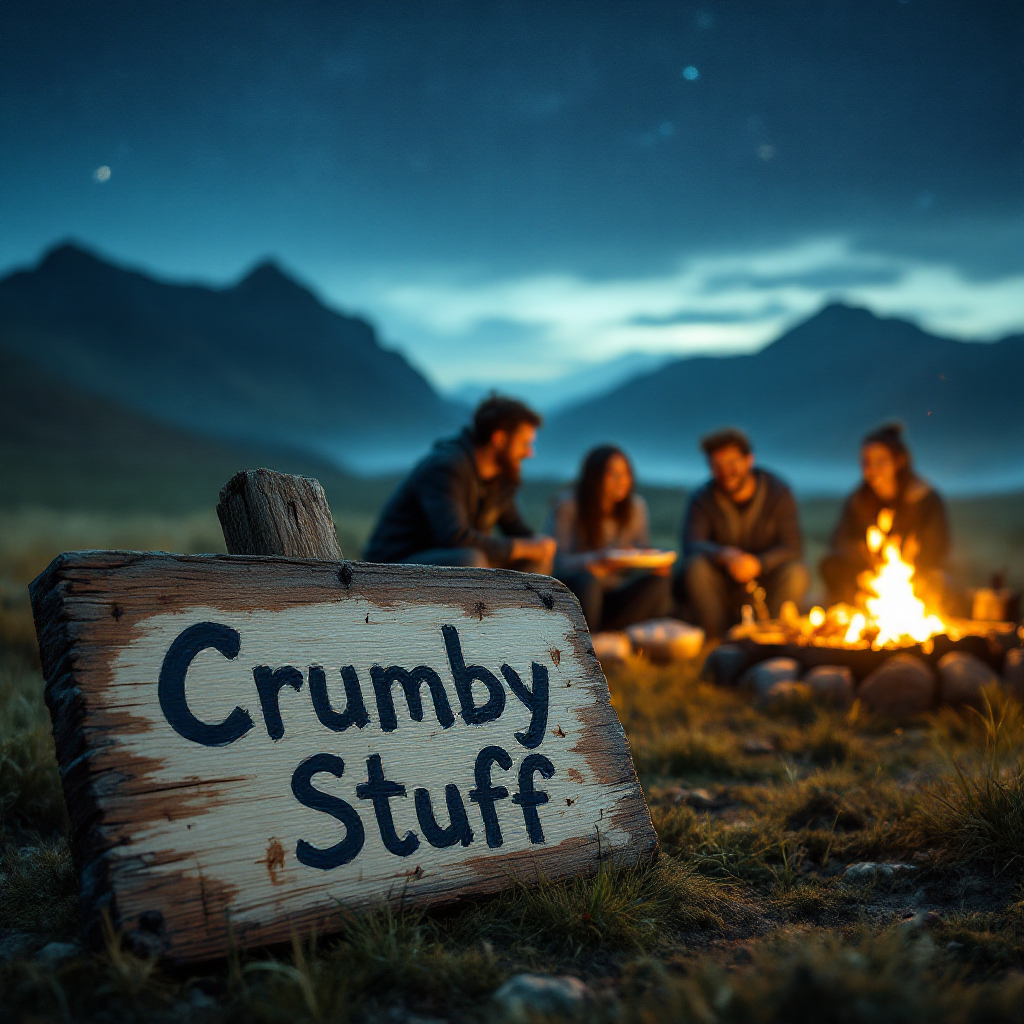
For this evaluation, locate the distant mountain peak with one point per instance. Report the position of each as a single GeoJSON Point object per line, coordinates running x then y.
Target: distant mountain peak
{"type": "Point", "coordinates": [69, 254]}
{"type": "Point", "coordinates": [269, 279]}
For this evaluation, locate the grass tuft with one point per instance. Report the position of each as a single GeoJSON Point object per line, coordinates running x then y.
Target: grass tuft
{"type": "Point", "coordinates": [977, 813]}
{"type": "Point", "coordinates": [39, 889]}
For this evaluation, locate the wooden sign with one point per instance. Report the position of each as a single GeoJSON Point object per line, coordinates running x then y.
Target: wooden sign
{"type": "Point", "coordinates": [250, 744]}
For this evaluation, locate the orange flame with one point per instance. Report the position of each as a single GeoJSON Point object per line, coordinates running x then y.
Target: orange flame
{"type": "Point", "coordinates": [893, 609]}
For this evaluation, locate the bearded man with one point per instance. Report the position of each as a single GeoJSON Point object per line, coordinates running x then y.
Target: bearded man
{"type": "Point", "coordinates": [446, 510]}
{"type": "Point", "coordinates": [742, 530]}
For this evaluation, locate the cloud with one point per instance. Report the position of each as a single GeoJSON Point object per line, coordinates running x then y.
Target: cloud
{"type": "Point", "coordinates": [690, 316]}
{"type": "Point", "coordinates": [818, 278]}
{"type": "Point", "coordinates": [537, 326]}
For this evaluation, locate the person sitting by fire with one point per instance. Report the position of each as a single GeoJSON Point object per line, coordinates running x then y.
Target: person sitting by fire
{"type": "Point", "coordinates": [741, 534]}
{"type": "Point", "coordinates": [445, 511]}
{"type": "Point", "coordinates": [914, 512]}
{"type": "Point", "coordinates": [597, 524]}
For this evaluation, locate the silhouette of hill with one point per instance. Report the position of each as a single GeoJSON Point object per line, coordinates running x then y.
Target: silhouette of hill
{"type": "Point", "coordinates": [809, 397]}
{"type": "Point", "coordinates": [61, 447]}
{"type": "Point", "coordinates": [263, 359]}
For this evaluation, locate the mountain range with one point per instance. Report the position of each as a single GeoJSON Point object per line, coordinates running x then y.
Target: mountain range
{"type": "Point", "coordinates": [809, 397]}
{"type": "Point", "coordinates": [265, 361]}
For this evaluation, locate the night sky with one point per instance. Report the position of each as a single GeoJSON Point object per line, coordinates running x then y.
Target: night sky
{"type": "Point", "coordinates": [511, 190]}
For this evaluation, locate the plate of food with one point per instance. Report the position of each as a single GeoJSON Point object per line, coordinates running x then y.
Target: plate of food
{"type": "Point", "coordinates": [641, 558]}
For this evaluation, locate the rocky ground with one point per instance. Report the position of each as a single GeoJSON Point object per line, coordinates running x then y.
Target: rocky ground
{"type": "Point", "coordinates": [818, 864]}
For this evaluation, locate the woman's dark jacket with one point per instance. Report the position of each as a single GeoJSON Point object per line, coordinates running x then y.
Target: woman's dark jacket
{"type": "Point", "coordinates": [919, 513]}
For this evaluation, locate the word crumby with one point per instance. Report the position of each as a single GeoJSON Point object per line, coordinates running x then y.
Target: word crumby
{"type": "Point", "coordinates": [251, 746]}
{"type": "Point", "coordinates": [377, 789]}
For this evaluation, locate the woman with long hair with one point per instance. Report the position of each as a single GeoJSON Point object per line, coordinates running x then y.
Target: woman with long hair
{"type": "Point", "coordinates": [918, 516]}
{"type": "Point", "coordinates": [594, 523]}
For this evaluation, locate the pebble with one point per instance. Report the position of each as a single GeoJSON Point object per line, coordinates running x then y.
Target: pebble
{"type": "Point", "coordinates": [699, 799]}
{"type": "Point", "coordinates": [756, 745]}
{"type": "Point", "coordinates": [962, 677]}
{"type": "Point", "coordinates": [54, 952]}
{"type": "Point", "coordinates": [666, 640]}
{"type": "Point", "coordinates": [901, 687]}
{"type": "Point", "coordinates": [611, 647]}
{"type": "Point", "coordinates": [527, 996]}
{"type": "Point", "coordinates": [765, 674]}
{"type": "Point", "coordinates": [725, 663]}
{"type": "Point", "coordinates": [869, 871]}
{"type": "Point", "coordinates": [954, 946]}
{"type": "Point", "coordinates": [831, 684]}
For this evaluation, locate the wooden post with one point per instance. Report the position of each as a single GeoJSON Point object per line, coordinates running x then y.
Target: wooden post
{"type": "Point", "coordinates": [266, 513]}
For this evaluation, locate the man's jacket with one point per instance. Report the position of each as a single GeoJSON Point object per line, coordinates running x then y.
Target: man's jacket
{"type": "Point", "coordinates": [768, 526]}
{"type": "Point", "coordinates": [443, 503]}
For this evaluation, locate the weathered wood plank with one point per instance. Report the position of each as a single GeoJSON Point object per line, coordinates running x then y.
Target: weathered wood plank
{"type": "Point", "coordinates": [263, 512]}
{"type": "Point", "coordinates": [222, 725]}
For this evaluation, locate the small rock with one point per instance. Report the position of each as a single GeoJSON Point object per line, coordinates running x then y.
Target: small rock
{"type": "Point", "coordinates": [611, 647]}
{"type": "Point", "coordinates": [831, 684]}
{"type": "Point", "coordinates": [1013, 671]}
{"type": "Point", "coordinates": [725, 663]}
{"type": "Point", "coordinates": [199, 1000]}
{"type": "Point", "coordinates": [901, 687]}
{"type": "Point", "coordinates": [866, 872]}
{"type": "Point", "coordinates": [954, 946]}
{"type": "Point", "coordinates": [765, 674]}
{"type": "Point", "coordinates": [962, 677]}
{"type": "Point", "coordinates": [701, 799]}
{"type": "Point", "coordinates": [528, 995]}
{"type": "Point", "coordinates": [756, 745]}
{"type": "Point", "coordinates": [666, 640]}
{"type": "Point", "coordinates": [54, 952]}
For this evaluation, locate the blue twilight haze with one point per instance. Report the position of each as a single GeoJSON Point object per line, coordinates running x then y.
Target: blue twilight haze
{"type": "Point", "coordinates": [515, 191]}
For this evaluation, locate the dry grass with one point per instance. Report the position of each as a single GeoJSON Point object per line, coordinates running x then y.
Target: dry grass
{"type": "Point", "coordinates": [746, 917]}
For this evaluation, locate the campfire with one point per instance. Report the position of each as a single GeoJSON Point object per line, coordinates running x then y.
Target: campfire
{"type": "Point", "coordinates": [891, 612]}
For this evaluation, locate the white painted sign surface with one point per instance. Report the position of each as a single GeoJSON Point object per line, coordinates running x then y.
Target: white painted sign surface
{"type": "Point", "coordinates": [267, 740]}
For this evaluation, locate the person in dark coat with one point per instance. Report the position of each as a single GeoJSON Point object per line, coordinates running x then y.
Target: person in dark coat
{"type": "Point", "coordinates": [594, 524]}
{"type": "Point", "coordinates": [446, 510]}
{"type": "Point", "coordinates": [918, 519]}
{"type": "Point", "coordinates": [741, 530]}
